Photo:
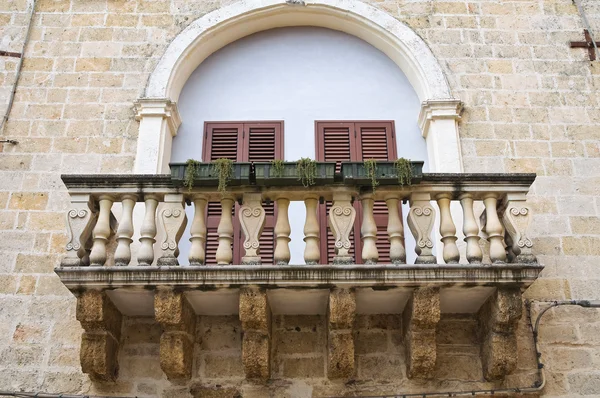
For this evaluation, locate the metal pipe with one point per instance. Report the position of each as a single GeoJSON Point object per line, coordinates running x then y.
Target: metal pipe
{"type": "Point", "coordinates": [11, 98]}
{"type": "Point", "coordinates": [586, 24]}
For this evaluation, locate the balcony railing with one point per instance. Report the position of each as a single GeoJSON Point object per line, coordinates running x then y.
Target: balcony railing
{"type": "Point", "coordinates": [97, 240]}
{"type": "Point", "coordinates": [112, 278]}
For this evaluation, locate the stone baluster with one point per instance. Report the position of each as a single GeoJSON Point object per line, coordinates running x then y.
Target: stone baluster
{"type": "Point", "coordinates": [395, 230]}
{"type": "Point", "coordinates": [81, 218]}
{"type": "Point", "coordinates": [420, 221]}
{"type": "Point", "coordinates": [368, 232]}
{"type": "Point", "coordinates": [282, 233]}
{"type": "Point", "coordinates": [470, 229]}
{"type": "Point", "coordinates": [517, 217]}
{"type": "Point", "coordinates": [341, 221]}
{"type": "Point", "coordinates": [447, 229]}
{"type": "Point", "coordinates": [148, 231]}
{"type": "Point", "coordinates": [312, 253]}
{"type": "Point", "coordinates": [198, 231]}
{"type": "Point", "coordinates": [125, 231]}
{"type": "Point", "coordinates": [102, 231]}
{"type": "Point", "coordinates": [224, 253]}
{"type": "Point", "coordinates": [494, 229]}
{"type": "Point", "coordinates": [172, 222]}
{"type": "Point", "coordinates": [252, 220]}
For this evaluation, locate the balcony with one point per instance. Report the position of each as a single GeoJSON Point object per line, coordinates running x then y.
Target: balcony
{"type": "Point", "coordinates": [112, 277]}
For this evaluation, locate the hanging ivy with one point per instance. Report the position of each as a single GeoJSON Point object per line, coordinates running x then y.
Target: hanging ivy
{"type": "Point", "coordinates": [371, 170]}
{"type": "Point", "coordinates": [403, 171]}
{"type": "Point", "coordinates": [223, 168]}
{"type": "Point", "coordinates": [192, 170]}
{"type": "Point", "coordinates": [307, 171]}
{"type": "Point", "coordinates": [278, 167]}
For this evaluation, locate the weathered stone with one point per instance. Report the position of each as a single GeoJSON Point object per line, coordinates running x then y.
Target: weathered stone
{"type": "Point", "coordinates": [342, 309]}
{"type": "Point", "coordinates": [100, 341]}
{"type": "Point", "coordinates": [340, 360]}
{"type": "Point", "coordinates": [498, 320]}
{"type": "Point", "coordinates": [256, 350]}
{"type": "Point", "coordinates": [420, 319]}
{"type": "Point", "coordinates": [215, 392]}
{"type": "Point", "coordinates": [254, 310]}
{"type": "Point", "coordinates": [177, 317]}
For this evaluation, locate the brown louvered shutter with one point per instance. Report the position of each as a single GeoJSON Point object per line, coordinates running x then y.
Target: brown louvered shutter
{"type": "Point", "coordinates": [241, 142]}
{"type": "Point", "coordinates": [355, 141]}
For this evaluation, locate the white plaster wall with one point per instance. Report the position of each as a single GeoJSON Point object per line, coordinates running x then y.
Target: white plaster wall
{"type": "Point", "coordinates": [298, 75]}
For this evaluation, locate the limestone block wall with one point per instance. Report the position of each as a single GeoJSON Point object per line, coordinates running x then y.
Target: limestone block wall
{"type": "Point", "coordinates": [532, 104]}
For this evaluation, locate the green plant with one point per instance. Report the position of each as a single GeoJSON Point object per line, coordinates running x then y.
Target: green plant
{"type": "Point", "coordinates": [371, 170]}
{"type": "Point", "coordinates": [403, 170]}
{"type": "Point", "coordinates": [307, 171]}
{"type": "Point", "coordinates": [278, 168]}
{"type": "Point", "coordinates": [191, 172]}
{"type": "Point", "coordinates": [223, 168]}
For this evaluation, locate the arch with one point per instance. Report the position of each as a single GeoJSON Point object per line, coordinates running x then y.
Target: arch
{"type": "Point", "coordinates": [223, 26]}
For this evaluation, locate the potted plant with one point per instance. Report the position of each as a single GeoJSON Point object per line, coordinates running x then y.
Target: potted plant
{"type": "Point", "coordinates": [372, 172]}
{"type": "Point", "coordinates": [304, 172]}
{"type": "Point", "coordinates": [220, 173]}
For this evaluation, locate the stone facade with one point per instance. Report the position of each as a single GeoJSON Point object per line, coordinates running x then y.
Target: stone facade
{"type": "Point", "coordinates": [531, 104]}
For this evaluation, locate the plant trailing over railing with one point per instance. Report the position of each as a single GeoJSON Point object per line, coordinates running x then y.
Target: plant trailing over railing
{"type": "Point", "coordinates": [307, 171]}
{"type": "Point", "coordinates": [278, 168]}
{"type": "Point", "coordinates": [403, 171]}
{"type": "Point", "coordinates": [223, 168]}
{"type": "Point", "coordinates": [191, 172]}
{"type": "Point", "coordinates": [371, 170]}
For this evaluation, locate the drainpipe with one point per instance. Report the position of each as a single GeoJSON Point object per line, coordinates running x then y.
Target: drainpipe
{"type": "Point", "coordinates": [11, 98]}
{"type": "Point", "coordinates": [586, 24]}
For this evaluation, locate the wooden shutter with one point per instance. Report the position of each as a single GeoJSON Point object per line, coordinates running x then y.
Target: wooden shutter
{"type": "Point", "coordinates": [241, 142]}
{"type": "Point", "coordinates": [355, 141]}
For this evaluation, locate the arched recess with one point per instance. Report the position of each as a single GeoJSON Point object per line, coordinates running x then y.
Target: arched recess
{"type": "Point", "coordinates": [158, 115]}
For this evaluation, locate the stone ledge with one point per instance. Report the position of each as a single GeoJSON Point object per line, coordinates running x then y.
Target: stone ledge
{"type": "Point", "coordinates": [320, 276]}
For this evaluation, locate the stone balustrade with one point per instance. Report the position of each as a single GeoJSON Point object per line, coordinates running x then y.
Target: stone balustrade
{"type": "Point", "coordinates": [96, 240]}
{"type": "Point", "coordinates": [112, 278]}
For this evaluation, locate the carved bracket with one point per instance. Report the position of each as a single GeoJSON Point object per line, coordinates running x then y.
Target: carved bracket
{"type": "Point", "coordinates": [252, 219]}
{"type": "Point", "coordinates": [340, 340]}
{"type": "Point", "coordinates": [101, 322]}
{"type": "Point", "coordinates": [172, 222]}
{"type": "Point", "coordinates": [517, 218]}
{"type": "Point", "coordinates": [255, 315]}
{"type": "Point", "coordinates": [420, 221]}
{"type": "Point", "coordinates": [80, 221]}
{"type": "Point", "coordinates": [341, 221]}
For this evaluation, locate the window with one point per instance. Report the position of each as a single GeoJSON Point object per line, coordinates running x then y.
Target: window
{"type": "Point", "coordinates": [241, 142]}
{"type": "Point", "coordinates": [353, 141]}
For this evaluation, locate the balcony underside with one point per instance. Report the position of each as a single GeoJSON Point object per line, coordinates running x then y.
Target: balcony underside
{"type": "Point", "coordinates": [304, 289]}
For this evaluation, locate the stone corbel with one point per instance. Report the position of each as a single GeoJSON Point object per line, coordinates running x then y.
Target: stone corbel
{"type": "Point", "coordinates": [255, 315]}
{"type": "Point", "coordinates": [81, 218]}
{"type": "Point", "coordinates": [438, 122]}
{"type": "Point", "coordinates": [516, 219]}
{"type": "Point", "coordinates": [341, 312]}
{"type": "Point", "coordinates": [159, 120]}
{"type": "Point", "coordinates": [420, 319]}
{"type": "Point", "coordinates": [101, 322]}
{"type": "Point", "coordinates": [498, 319]}
{"type": "Point", "coordinates": [177, 317]}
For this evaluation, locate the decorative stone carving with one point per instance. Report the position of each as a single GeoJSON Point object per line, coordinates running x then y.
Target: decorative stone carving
{"type": "Point", "coordinates": [471, 230]}
{"type": "Point", "coordinates": [341, 313]}
{"type": "Point", "coordinates": [101, 322]}
{"type": "Point", "coordinates": [102, 231]}
{"type": "Point", "coordinates": [80, 221]}
{"type": "Point", "coordinates": [224, 255]}
{"type": "Point", "coordinates": [125, 231]}
{"type": "Point", "coordinates": [498, 320]}
{"type": "Point", "coordinates": [282, 231]}
{"type": "Point", "coordinates": [176, 316]}
{"type": "Point", "coordinates": [255, 315]}
{"type": "Point", "coordinates": [312, 253]}
{"type": "Point", "coordinates": [517, 217]}
{"type": "Point", "coordinates": [198, 232]}
{"type": "Point", "coordinates": [494, 229]}
{"type": "Point", "coordinates": [252, 219]}
{"type": "Point", "coordinates": [451, 254]}
{"type": "Point", "coordinates": [172, 222]}
{"type": "Point", "coordinates": [148, 231]}
{"type": "Point", "coordinates": [420, 221]}
{"type": "Point", "coordinates": [395, 230]}
{"type": "Point", "coordinates": [341, 221]}
{"type": "Point", "coordinates": [420, 319]}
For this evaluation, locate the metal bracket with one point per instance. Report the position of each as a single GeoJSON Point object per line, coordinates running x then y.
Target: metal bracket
{"type": "Point", "coordinates": [14, 142]}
